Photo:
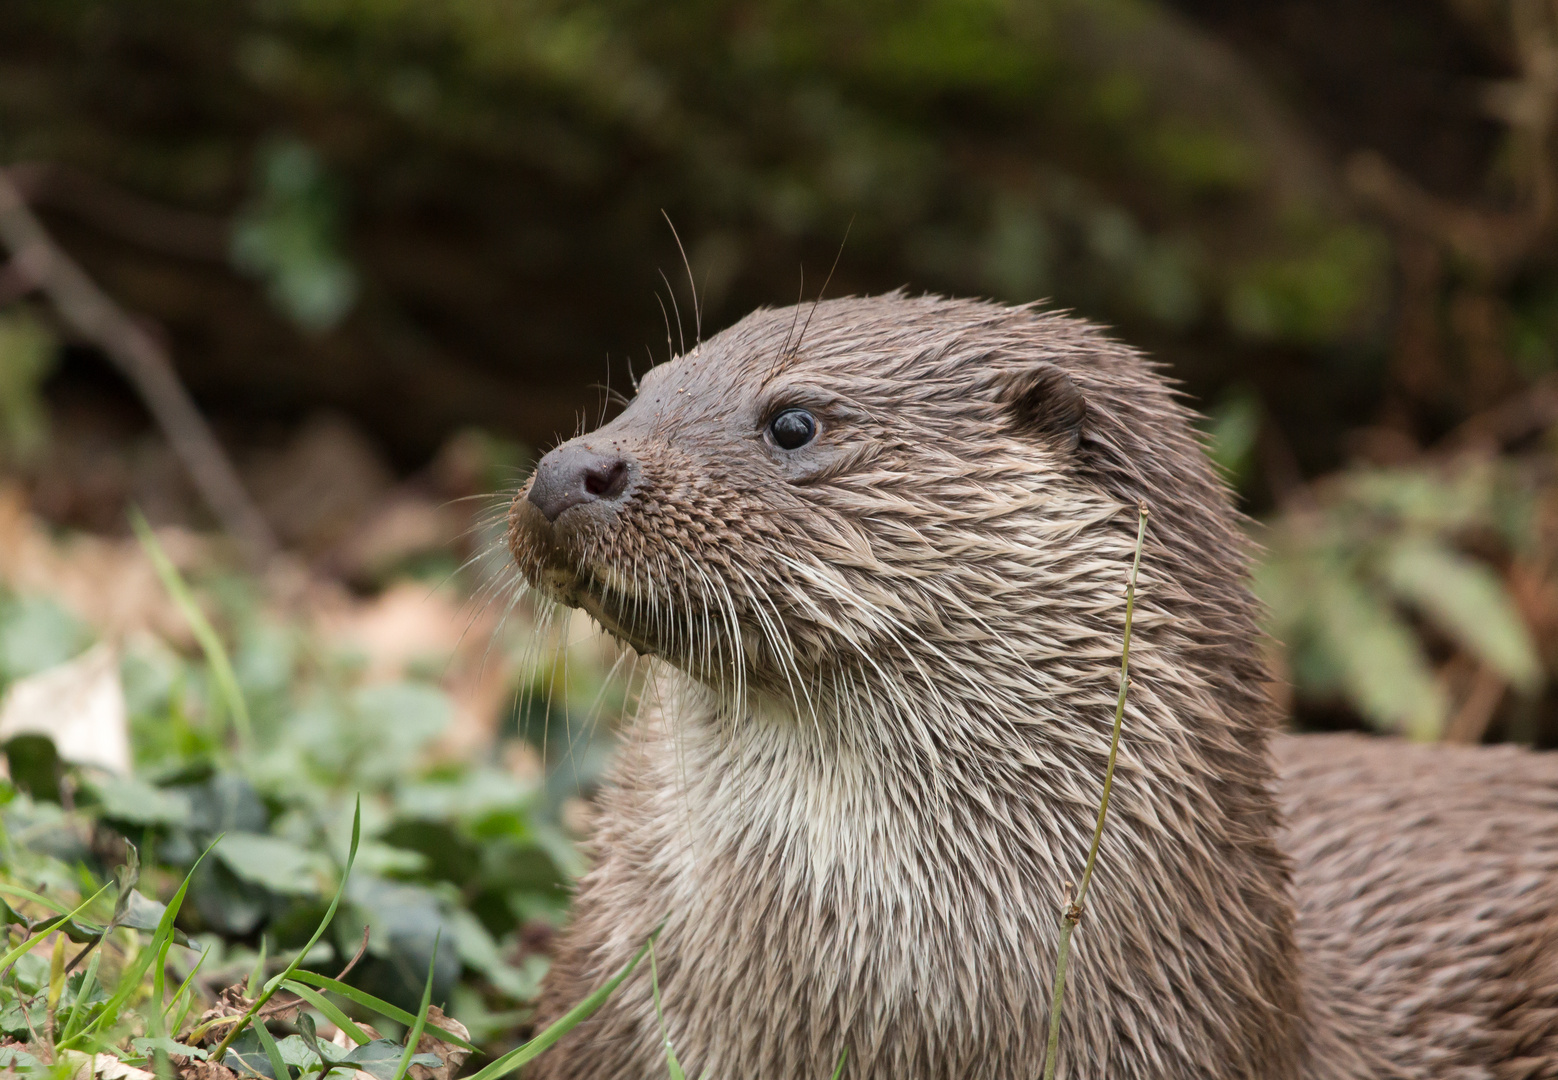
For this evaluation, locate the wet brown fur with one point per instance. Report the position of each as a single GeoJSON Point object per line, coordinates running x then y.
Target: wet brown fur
{"type": "Point", "coordinates": [871, 753]}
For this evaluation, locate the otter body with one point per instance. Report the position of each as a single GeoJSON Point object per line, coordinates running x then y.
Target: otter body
{"type": "Point", "coordinates": [877, 549]}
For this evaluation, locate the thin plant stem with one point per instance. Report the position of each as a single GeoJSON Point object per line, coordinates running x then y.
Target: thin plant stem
{"type": "Point", "coordinates": [1072, 914]}
{"type": "Point", "coordinates": [275, 981]}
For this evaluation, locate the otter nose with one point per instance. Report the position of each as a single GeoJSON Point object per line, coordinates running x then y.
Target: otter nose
{"type": "Point", "coordinates": [574, 474]}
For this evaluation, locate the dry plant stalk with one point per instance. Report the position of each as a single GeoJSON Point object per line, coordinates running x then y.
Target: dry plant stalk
{"type": "Point", "coordinates": [1072, 913]}
{"type": "Point", "coordinates": [90, 312]}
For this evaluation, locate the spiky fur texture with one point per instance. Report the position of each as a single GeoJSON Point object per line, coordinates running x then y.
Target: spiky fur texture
{"type": "Point", "coordinates": [874, 744]}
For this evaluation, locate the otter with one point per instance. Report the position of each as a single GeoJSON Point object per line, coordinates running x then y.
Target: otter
{"type": "Point", "coordinates": [877, 549]}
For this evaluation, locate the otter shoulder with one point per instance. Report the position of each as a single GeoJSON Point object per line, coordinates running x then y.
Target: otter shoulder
{"type": "Point", "coordinates": [1426, 887]}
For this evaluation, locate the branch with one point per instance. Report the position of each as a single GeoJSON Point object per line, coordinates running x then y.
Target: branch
{"type": "Point", "coordinates": [90, 312]}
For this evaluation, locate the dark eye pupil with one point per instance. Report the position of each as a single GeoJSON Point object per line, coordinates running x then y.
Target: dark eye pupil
{"type": "Point", "coordinates": [793, 428]}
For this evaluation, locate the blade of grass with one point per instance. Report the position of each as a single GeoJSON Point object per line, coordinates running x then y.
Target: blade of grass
{"type": "Point", "coordinates": [843, 1057]}
{"type": "Point", "coordinates": [272, 1052]}
{"type": "Point", "coordinates": [415, 1035]}
{"type": "Point", "coordinates": [48, 928]}
{"type": "Point", "coordinates": [672, 1066]}
{"type": "Point", "coordinates": [88, 984]}
{"type": "Point", "coordinates": [378, 1005]}
{"type": "Point", "coordinates": [53, 905]}
{"type": "Point", "coordinates": [564, 1024]}
{"type": "Point", "coordinates": [331, 1013]}
{"type": "Point", "coordinates": [130, 977]}
{"type": "Point", "coordinates": [205, 633]}
{"type": "Point", "coordinates": [275, 982]}
{"type": "Point", "coordinates": [1073, 910]}
{"type": "Point", "coordinates": [256, 981]}
{"type": "Point", "coordinates": [183, 986]}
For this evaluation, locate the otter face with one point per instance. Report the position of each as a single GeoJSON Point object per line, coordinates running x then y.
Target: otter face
{"type": "Point", "coordinates": [777, 508]}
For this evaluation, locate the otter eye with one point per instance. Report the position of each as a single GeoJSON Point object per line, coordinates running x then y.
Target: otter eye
{"type": "Point", "coordinates": [793, 429]}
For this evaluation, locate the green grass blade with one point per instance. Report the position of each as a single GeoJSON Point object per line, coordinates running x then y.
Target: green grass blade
{"type": "Point", "coordinates": [256, 981]}
{"type": "Point", "coordinates": [184, 986]}
{"type": "Point", "coordinates": [378, 1005]}
{"type": "Point", "coordinates": [272, 1052]}
{"type": "Point", "coordinates": [53, 905]}
{"type": "Point", "coordinates": [31, 943]}
{"type": "Point", "coordinates": [287, 973]}
{"type": "Point", "coordinates": [564, 1024]}
{"type": "Point", "coordinates": [415, 1035]}
{"type": "Point", "coordinates": [205, 633]}
{"type": "Point", "coordinates": [843, 1057]}
{"type": "Point", "coordinates": [130, 978]}
{"type": "Point", "coordinates": [88, 982]}
{"type": "Point", "coordinates": [328, 1008]}
{"type": "Point", "coordinates": [672, 1066]}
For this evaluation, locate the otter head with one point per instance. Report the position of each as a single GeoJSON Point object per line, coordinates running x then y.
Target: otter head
{"type": "Point", "coordinates": [870, 488]}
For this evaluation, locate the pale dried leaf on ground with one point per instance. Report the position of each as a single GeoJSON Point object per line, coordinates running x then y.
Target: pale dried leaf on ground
{"type": "Point", "coordinates": [451, 1055]}
{"type": "Point", "coordinates": [79, 705]}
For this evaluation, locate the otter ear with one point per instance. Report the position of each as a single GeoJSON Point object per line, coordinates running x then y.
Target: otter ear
{"type": "Point", "coordinates": [1044, 401]}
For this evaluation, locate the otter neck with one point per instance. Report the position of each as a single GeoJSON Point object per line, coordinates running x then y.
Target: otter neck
{"type": "Point", "coordinates": [932, 802]}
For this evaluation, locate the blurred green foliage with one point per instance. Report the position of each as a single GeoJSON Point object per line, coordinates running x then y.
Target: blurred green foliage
{"type": "Point", "coordinates": [1354, 582]}
{"type": "Point", "coordinates": [288, 235]}
{"type": "Point", "coordinates": [487, 180]}
{"type": "Point", "coordinates": [465, 851]}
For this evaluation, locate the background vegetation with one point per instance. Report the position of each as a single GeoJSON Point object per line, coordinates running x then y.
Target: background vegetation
{"type": "Point", "coordinates": [390, 247]}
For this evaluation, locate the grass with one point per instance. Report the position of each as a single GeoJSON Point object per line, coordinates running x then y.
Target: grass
{"type": "Point", "coordinates": [252, 756]}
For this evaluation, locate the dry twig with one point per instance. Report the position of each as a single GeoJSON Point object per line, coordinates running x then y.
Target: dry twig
{"type": "Point", "coordinates": [1071, 914]}
{"type": "Point", "coordinates": [90, 312]}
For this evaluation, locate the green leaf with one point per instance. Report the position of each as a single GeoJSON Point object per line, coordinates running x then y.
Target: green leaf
{"type": "Point", "coordinates": [271, 862]}
{"type": "Point", "coordinates": [273, 1055]}
{"type": "Point", "coordinates": [1382, 666]}
{"type": "Point", "coordinates": [1467, 601]}
{"type": "Point", "coordinates": [382, 1058]}
{"type": "Point", "coordinates": [139, 803]}
{"type": "Point", "coordinates": [87, 994]}
{"type": "Point", "coordinates": [37, 634]}
{"type": "Point", "coordinates": [248, 1054]}
{"type": "Point", "coordinates": [285, 974]}
{"type": "Point", "coordinates": [288, 236]}
{"type": "Point", "coordinates": [148, 1047]}
{"type": "Point", "coordinates": [130, 978]}
{"type": "Point", "coordinates": [300, 1053]}
{"type": "Point", "coordinates": [14, 1057]}
{"type": "Point", "coordinates": [37, 898]}
{"type": "Point", "coordinates": [144, 914]}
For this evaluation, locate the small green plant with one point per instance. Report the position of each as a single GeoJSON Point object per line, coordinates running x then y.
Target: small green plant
{"type": "Point", "coordinates": [287, 808]}
{"type": "Point", "coordinates": [1363, 580]}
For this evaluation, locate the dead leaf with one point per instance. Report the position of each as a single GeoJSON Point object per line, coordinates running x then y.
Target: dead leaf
{"type": "Point", "coordinates": [451, 1055]}
{"type": "Point", "coordinates": [79, 705]}
{"type": "Point", "coordinates": [104, 1066]}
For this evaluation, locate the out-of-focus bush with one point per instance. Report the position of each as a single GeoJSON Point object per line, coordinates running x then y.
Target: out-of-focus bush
{"type": "Point", "coordinates": [1384, 584]}
{"type": "Point", "coordinates": [488, 181]}
{"type": "Point", "coordinates": [320, 709]}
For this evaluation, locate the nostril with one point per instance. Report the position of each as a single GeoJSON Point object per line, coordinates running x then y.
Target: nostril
{"type": "Point", "coordinates": [574, 474]}
{"type": "Point", "coordinates": [605, 481]}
